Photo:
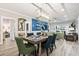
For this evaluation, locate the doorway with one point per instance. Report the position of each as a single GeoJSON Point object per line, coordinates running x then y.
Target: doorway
{"type": "Point", "coordinates": [8, 29]}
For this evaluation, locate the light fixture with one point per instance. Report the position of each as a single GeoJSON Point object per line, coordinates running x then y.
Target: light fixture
{"type": "Point", "coordinates": [65, 15]}
{"type": "Point", "coordinates": [62, 9]}
{"type": "Point", "coordinates": [54, 20]}
{"type": "Point", "coordinates": [42, 15]}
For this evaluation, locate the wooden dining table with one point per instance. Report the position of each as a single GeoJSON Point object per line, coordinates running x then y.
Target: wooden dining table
{"type": "Point", "coordinates": [36, 40]}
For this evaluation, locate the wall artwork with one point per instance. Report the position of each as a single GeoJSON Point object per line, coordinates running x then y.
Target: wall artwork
{"type": "Point", "coordinates": [38, 25]}
{"type": "Point", "coordinates": [21, 24]}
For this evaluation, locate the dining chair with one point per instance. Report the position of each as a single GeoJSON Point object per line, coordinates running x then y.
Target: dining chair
{"type": "Point", "coordinates": [24, 49]}
{"type": "Point", "coordinates": [53, 41]}
{"type": "Point", "coordinates": [48, 44]}
{"type": "Point", "coordinates": [38, 33]}
{"type": "Point", "coordinates": [29, 34]}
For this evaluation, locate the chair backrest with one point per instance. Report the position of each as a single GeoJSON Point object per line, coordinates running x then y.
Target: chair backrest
{"type": "Point", "coordinates": [29, 34]}
{"type": "Point", "coordinates": [64, 34]}
{"type": "Point", "coordinates": [38, 33]}
{"type": "Point", "coordinates": [20, 45]}
{"type": "Point", "coordinates": [54, 38]}
{"type": "Point", "coordinates": [48, 43]}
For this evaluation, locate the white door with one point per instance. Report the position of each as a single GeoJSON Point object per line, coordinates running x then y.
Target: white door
{"type": "Point", "coordinates": [9, 24]}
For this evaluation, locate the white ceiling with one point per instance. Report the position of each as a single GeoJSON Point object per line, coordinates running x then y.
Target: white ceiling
{"type": "Point", "coordinates": [55, 11]}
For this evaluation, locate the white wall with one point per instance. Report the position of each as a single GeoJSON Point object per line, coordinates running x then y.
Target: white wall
{"type": "Point", "coordinates": [52, 26]}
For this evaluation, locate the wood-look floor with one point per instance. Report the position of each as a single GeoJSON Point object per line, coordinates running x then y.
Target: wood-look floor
{"type": "Point", "coordinates": [9, 48]}
{"type": "Point", "coordinates": [64, 48]}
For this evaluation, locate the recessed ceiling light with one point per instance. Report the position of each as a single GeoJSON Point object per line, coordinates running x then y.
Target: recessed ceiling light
{"type": "Point", "coordinates": [65, 15]}
{"type": "Point", "coordinates": [62, 9]}
{"type": "Point", "coordinates": [54, 21]}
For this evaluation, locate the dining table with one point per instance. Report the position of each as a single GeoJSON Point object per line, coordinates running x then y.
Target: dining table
{"type": "Point", "coordinates": [36, 40]}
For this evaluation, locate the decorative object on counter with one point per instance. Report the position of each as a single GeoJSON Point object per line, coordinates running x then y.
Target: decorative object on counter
{"type": "Point", "coordinates": [73, 25]}
{"type": "Point", "coordinates": [21, 33]}
{"type": "Point", "coordinates": [6, 34]}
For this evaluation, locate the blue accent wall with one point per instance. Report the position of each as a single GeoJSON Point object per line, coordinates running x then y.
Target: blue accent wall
{"type": "Point", "coordinates": [37, 25]}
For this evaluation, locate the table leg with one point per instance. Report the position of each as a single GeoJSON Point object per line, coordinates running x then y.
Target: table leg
{"type": "Point", "coordinates": [39, 48]}
{"type": "Point", "coordinates": [36, 48]}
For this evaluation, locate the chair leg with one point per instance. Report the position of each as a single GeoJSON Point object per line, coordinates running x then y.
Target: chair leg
{"type": "Point", "coordinates": [23, 54]}
{"type": "Point", "coordinates": [19, 54]}
{"type": "Point", "coordinates": [35, 53]}
{"type": "Point", "coordinates": [47, 52]}
{"type": "Point", "coordinates": [51, 49]}
{"type": "Point", "coordinates": [55, 46]}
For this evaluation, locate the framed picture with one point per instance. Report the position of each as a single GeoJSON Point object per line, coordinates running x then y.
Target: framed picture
{"type": "Point", "coordinates": [21, 24]}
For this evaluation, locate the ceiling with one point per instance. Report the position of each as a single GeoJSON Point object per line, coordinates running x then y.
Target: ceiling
{"type": "Point", "coordinates": [57, 12]}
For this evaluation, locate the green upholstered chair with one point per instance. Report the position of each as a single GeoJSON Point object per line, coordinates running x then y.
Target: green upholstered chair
{"type": "Point", "coordinates": [50, 33]}
{"type": "Point", "coordinates": [24, 49]}
{"type": "Point", "coordinates": [60, 35]}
